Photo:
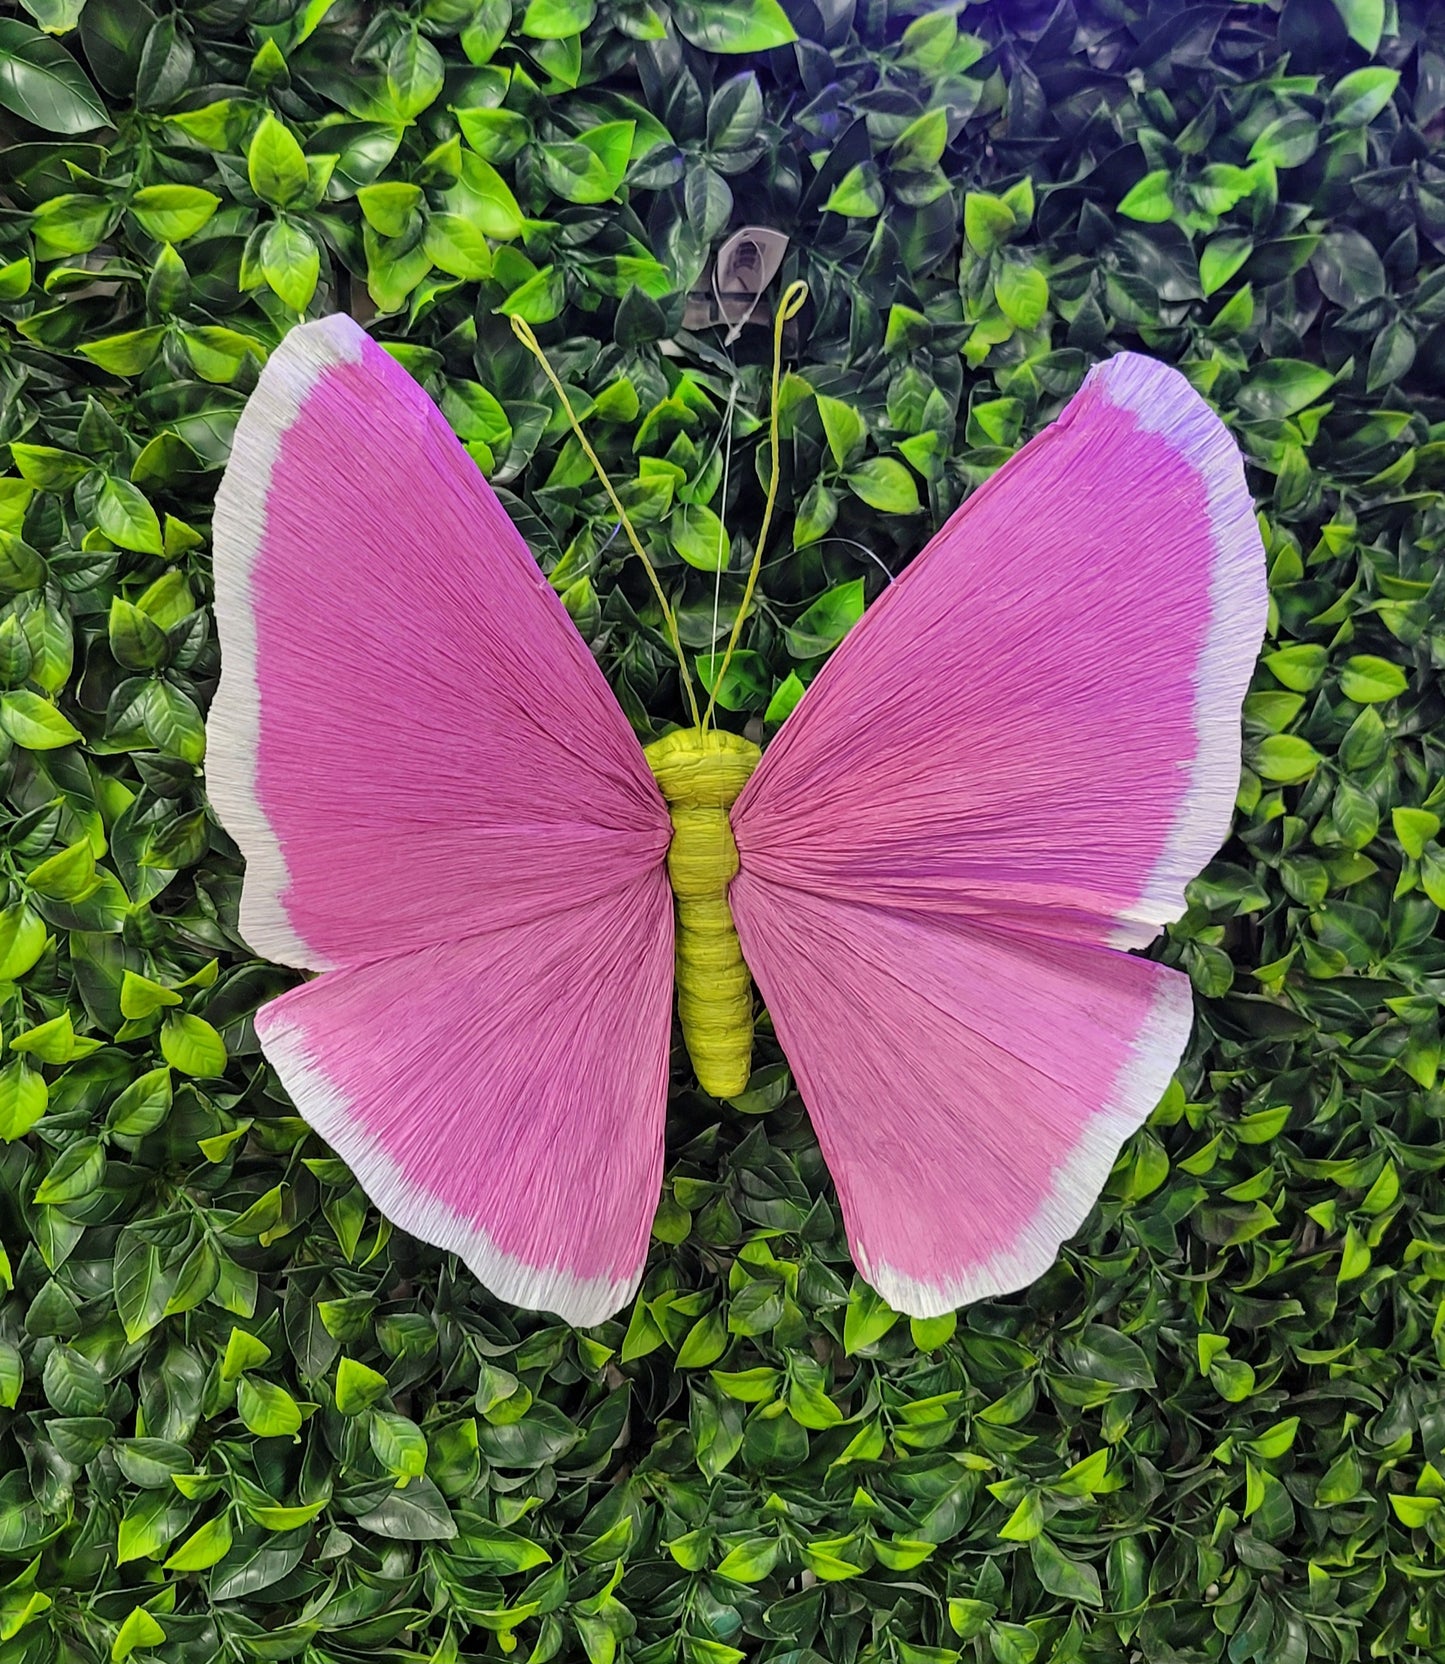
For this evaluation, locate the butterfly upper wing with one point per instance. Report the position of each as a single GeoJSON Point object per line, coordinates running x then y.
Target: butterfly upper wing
{"type": "Point", "coordinates": [1013, 765]}
{"type": "Point", "coordinates": [410, 740]}
{"type": "Point", "coordinates": [443, 808]}
{"type": "Point", "coordinates": [1039, 720]}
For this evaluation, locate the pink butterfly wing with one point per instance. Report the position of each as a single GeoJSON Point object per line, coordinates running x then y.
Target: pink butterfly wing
{"type": "Point", "coordinates": [503, 1095]}
{"type": "Point", "coordinates": [1040, 720]}
{"type": "Point", "coordinates": [410, 740]}
{"type": "Point", "coordinates": [970, 1086]}
{"type": "Point", "coordinates": [443, 808]}
{"type": "Point", "coordinates": [1013, 765]}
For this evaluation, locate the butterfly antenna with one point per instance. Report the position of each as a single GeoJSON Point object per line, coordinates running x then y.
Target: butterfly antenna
{"type": "Point", "coordinates": [524, 333]}
{"type": "Point", "coordinates": [722, 536]}
{"type": "Point", "coordinates": [789, 307]}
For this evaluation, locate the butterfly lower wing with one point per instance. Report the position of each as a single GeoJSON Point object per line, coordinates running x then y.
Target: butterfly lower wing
{"type": "Point", "coordinates": [503, 1095]}
{"type": "Point", "coordinates": [970, 1087]}
{"type": "Point", "coordinates": [1039, 722]}
{"type": "Point", "coordinates": [410, 740]}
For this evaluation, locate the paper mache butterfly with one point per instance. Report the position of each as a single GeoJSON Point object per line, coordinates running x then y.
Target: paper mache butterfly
{"type": "Point", "coordinates": [1001, 779]}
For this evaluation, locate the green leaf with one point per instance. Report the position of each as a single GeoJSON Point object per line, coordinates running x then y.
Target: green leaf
{"type": "Point", "coordinates": [205, 1547]}
{"type": "Point", "coordinates": [845, 429]}
{"type": "Point", "coordinates": [22, 940]}
{"type": "Point", "coordinates": [1222, 259]}
{"type": "Point", "coordinates": [869, 1318]}
{"type": "Point", "coordinates": [127, 518]}
{"type": "Point", "coordinates": [389, 205]}
{"type": "Point", "coordinates": [1355, 100]}
{"type": "Point", "coordinates": [1285, 758]}
{"type": "Point", "coordinates": [482, 197]}
{"type": "Point", "coordinates": [34, 723]}
{"type": "Point", "coordinates": [275, 164]}
{"type": "Point", "coordinates": [750, 1561]}
{"type": "Point", "coordinates": [1282, 386]}
{"type": "Point", "coordinates": [41, 83]}
{"type": "Point", "coordinates": [1415, 1511]}
{"type": "Point", "coordinates": [1022, 293]}
{"type": "Point", "coordinates": [1299, 666]}
{"type": "Point", "coordinates": [557, 19]}
{"type": "Point", "coordinates": [859, 194]}
{"type": "Point", "coordinates": [495, 134]}
{"type": "Point", "coordinates": [398, 1444]}
{"type": "Point", "coordinates": [1365, 21]}
{"type": "Point", "coordinates": [698, 535]}
{"type": "Point", "coordinates": [126, 355]}
{"type": "Point", "coordinates": [171, 213]}
{"type": "Point", "coordinates": [885, 485]}
{"type": "Point", "coordinates": [267, 1410]}
{"type": "Point", "coordinates": [1415, 828]}
{"type": "Point", "coordinates": [589, 169]}
{"type": "Point", "coordinates": [987, 221]}
{"type": "Point", "coordinates": [192, 1046]}
{"type": "Point", "coordinates": [745, 683]}
{"type": "Point", "coordinates": [458, 247]}
{"type": "Point", "coordinates": [1150, 200]}
{"type": "Point", "coordinates": [1074, 1580]}
{"type": "Point", "coordinates": [539, 299]}
{"type": "Point", "coordinates": [823, 625]}
{"type": "Point", "coordinates": [1025, 1522]}
{"type": "Point", "coordinates": [921, 144]}
{"type": "Point", "coordinates": [784, 700]}
{"type": "Point", "coordinates": [68, 875]}
{"type": "Point", "coordinates": [358, 1387]}
{"type": "Point", "coordinates": [140, 1630]}
{"type": "Point", "coordinates": [291, 263]}
{"type": "Point", "coordinates": [1370, 681]}
{"type": "Point", "coordinates": [733, 25]}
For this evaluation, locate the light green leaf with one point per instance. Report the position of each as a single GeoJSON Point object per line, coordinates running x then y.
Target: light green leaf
{"type": "Point", "coordinates": [845, 429]}
{"type": "Point", "coordinates": [275, 164]}
{"type": "Point", "coordinates": [1357, 99]}
{"type": "Point", "coordinates": [1149, 200]}
{"type": "Point", "coordinates": [34, 723]}
{"type": "Point", "coordinates": [885, 485]}
{"type": "Point", "coordinates": [733, 25]}
{"type": "Point", "coordinates": [171, 213]}
{"type": "Point", "coordinates": [192, 1046]}
{"type": "Point", "coordinates": [823, 625]}
{"type": "Point", "coordinates": [1370, 681]}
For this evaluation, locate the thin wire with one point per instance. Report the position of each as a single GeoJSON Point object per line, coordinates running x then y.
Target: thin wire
{"type": "Point", "coordinates": [853, 543]}
{"type": "Point", "coordinates": [793, 298]}
{"type": "Point", "coordinates": [523, 331]}
{"type": "Point", "coordinates": [723, 543]}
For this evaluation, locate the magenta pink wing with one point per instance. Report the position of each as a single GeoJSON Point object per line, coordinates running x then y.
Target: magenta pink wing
{"type": "Point", "coordinates": [1039, 722]}
{"type": "Point", "coordinates": [503, 1096]}
{"type": "Point", "coordinates": [410, 740]}
{"type": "Point", "coordinates": [970, 1087]}
{"type": "Point", "coordinates": [443, 808]}
{"type": "Point", "coordinates": [1009, 770]}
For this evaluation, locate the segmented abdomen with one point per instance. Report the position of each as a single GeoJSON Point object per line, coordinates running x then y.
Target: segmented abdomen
{"type": "Point", "coordinates": [714, 989]}
{"type": "Point", "coordinates": [701, 776]}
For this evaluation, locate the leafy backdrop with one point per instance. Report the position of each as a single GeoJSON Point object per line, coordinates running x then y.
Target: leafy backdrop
{"type": "Point", "coordinates": [242, 1418]}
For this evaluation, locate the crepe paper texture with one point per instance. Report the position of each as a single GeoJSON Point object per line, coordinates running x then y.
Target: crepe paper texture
{"type": "Point", "coordinates": [1005, 776]}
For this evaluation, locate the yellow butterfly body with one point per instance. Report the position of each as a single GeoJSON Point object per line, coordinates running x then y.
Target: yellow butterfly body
{"type": "Point", "coordinates": [700, 775]}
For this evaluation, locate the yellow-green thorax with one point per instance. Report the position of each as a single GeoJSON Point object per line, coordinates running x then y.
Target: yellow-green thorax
{"type": "Point", "coordinates": [700, 775]}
